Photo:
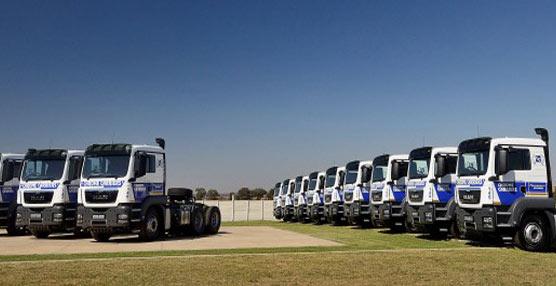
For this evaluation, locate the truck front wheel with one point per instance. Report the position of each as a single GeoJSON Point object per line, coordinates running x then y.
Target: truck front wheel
{"type": "Point", "coordinates": [150, 227]}
{"type": "Point", "coordinates": [101, 236]}
{"type": "Point", "coordinates": [532, 234]}
{"type": "Point", "coordinates": [13, 230]}
{"type": "Point", "coordinates": [40, 234]}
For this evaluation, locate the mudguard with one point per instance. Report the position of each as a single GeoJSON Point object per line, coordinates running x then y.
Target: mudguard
{"type": "Point", "coordinates": [156, 201]}
{"type": "Point", "coordinates": [524, 204]}
{"type": "Point", "coordinates": [451, 208]}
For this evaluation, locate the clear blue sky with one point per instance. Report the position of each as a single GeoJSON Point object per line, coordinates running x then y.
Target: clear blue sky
{"type": "Point", "coordinates": [251, 92]}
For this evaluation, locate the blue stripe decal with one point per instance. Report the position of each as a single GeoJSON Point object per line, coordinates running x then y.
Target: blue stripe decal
{"type": "Point", "coordinates": [72, 193]}
{"type": "Point", "coordinates": [444, 191]}
{"type": "Point", "coordinates": [399, 192]}
{"type": "Point", "coordinates": [8, 193]}
{"type": "Point", "coordinates": [144, 190]}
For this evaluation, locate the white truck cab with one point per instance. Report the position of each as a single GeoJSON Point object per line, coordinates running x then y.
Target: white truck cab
{"type": "Point", "coordinates": [47, 196]}
{"type": "Point", "coordinates": [10, 166]}
{"type": "Point", "coordinates": [300, 199]}
{"type": "Point", "coordinates": [504, 187]}
{"type": "Point", "coordinates": [277, 201]}
{"type": "Point", "coordinates": [315, 197]}
{"type": "Point", "coordinates": [357, 189]}
{"type": "Point", "coordinates": [333, 195]}
{"type": "Point", "coordinates": [388, 189]}
{"type": "Point", "coordinates": [430, 189]}
{"type": "Point", "coordinates": [123, 189]}
{"type": "Point", "coordinates": [288, 188]}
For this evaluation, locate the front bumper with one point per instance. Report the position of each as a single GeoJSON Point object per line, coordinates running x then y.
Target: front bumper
{"type": "Point", "coordinates": [119, 217]}
{"type": "Point", "coordinates": [387, 212]}
{"type": "Point", "coordinates": [357, 209]}
{"type": "Point", "coordinates": [430, 213]}
{"type": "Point", "coordinates": [58, 217]}
{"type": "Point", "coordinates": [302, 211]}
{"type": "Point", "coordinates": [317, 212]}
{"type": "Point", "coordinates": [289, 211]}
{"type": "Point", "coordinates": [421, 214]}
{"type": "Point", "coordinates": [476, 220]}
{"type": "Point", "coordinates": [278, 213]}
{"type": "Point", "coordinates": [334, 210]}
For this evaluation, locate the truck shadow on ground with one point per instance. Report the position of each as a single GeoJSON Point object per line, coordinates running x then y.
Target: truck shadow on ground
{"type": "Point", "coordinates": [135, 239]}
{"type": "Point", "coordinates": [123, 238]}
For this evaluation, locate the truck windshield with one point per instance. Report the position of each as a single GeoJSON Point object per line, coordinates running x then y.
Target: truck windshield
{"type": "Point", "coordinates": [312, 184]}
{"type": "Point", "coordinates": [51, 169]}
{"type": "Point", "coordinates": [277, 189]}
{"type": "Point", "coordinates": [419, 168]}
{"type": "Point", "coordinates": [298, 187]}
{"type": "Point", "coordinates": [285, 187]}
{"type": "Point", "coordinates": [473, 163]}
{"type": "Point", "coordinates": [379, 173]}
{"type": "Point", "coordinates": [330, 180]}
{"type": "Point", "coordinates": [351, 176]}
{"type": "Point", "coordinates": [105, 166]}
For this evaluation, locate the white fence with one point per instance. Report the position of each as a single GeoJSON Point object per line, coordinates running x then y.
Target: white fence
{"type": "Point", "coordinates": [243, 210]}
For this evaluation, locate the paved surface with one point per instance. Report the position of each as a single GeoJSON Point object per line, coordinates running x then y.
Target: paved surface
{"type": "Point", "coordinates": [228, 237]}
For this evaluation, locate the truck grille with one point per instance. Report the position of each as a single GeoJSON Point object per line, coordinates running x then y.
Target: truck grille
{"type": "Point", "coordinates": [348, 196]}
{"type": "Point", "coordinates": [101, 196]}
{"type": "Point", "coordinates": [470, 196]}
{"type": "Point", "coordinates": [310, 200]}
{"type": "Point", "coordinates": [38, 197]}
{"type": "Point", "coordinates": [328, 198]}
{"type": "Point", "coordinates": [415, 195]}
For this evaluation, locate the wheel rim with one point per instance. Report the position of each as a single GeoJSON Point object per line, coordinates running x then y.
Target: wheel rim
{"type": "Point", "coordinates": [533, 233]}
{"type": "Point", "coordinates": [214, 219]}
{"type": "Point", "coordinates": [152, 225]}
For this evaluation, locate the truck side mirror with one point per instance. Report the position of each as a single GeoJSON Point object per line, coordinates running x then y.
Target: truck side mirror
{"type": "Point", "coordinates": [366, 174]}
{"type": "Point", "coordinates": [440, 170]}
{"type": "Point", "coordinates": [7, 171]}
{"type": "Point", "coordinates": [342, 178]}
{"type": "Point", "coordinates": [501, 161]}
{"type": "Point", "coordinates": [321, 183]}
{"type": "Point", "coordinates": [395, 173]}
{"type": "Point", "coordinates": [140, 168]}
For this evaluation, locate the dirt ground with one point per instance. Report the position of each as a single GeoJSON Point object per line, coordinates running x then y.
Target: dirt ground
{"type": "Point", "coordinates": [227, 238]}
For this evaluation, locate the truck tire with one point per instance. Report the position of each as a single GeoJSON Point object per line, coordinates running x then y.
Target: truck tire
{"type": "Point", "coordinates": [180, 194]}
{"type": "Point", "coordinates": [533, 234]}
{"type": "Point", "coordinates": [197, 226]}
{"type": "Point", "coordinates": [454, 230]}
{"type": "Point", "coordinates": [151, 226]}
{"type": "Point", "coordinates": [101, 236]}
{"type": "Point", "coordinates": [212, 220]}
{"type": "Point", "coordinates": [40, 234]}
{"type": "Point", "coordinates": [13, 230]}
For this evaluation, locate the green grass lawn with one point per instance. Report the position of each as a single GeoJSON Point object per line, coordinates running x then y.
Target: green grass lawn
{"type": "Point", "coordinates": [369, 256]}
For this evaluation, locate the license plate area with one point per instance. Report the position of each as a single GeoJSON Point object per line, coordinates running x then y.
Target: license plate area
{"type": "Point", "coordinates": [99, 217]}
{"type": "Point", "coordinates": [468, 218]}
{"type": "Point", "coordinates": [36, 216]}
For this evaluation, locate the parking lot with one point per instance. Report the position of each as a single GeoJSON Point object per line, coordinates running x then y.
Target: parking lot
{"type": "Point", "coordinates": [227, 238]}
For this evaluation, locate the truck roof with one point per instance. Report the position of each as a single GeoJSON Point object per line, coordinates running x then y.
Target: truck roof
{"type": "Point", "coordinates": [483, 143]}
{"type": "Point", "coordinates": [12, 155]}
{"type": "Point", "coordinates": [51, 153]}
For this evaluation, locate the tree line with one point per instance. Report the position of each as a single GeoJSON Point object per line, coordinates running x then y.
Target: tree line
{"type": "Point", "coordinates": [241, 194]}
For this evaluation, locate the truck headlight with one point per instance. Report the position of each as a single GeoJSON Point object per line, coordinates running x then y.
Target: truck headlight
{"type": "Point", "coordinates": [58, 217]}
{"type": "Point", "coordinates": [428, 216]}
{"type": "Point", "coordinates": [79, 218]}
{"type": "Point", "coordinates": [488, 222]}
{"type": "Point", "coordinates": [123, 216]}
